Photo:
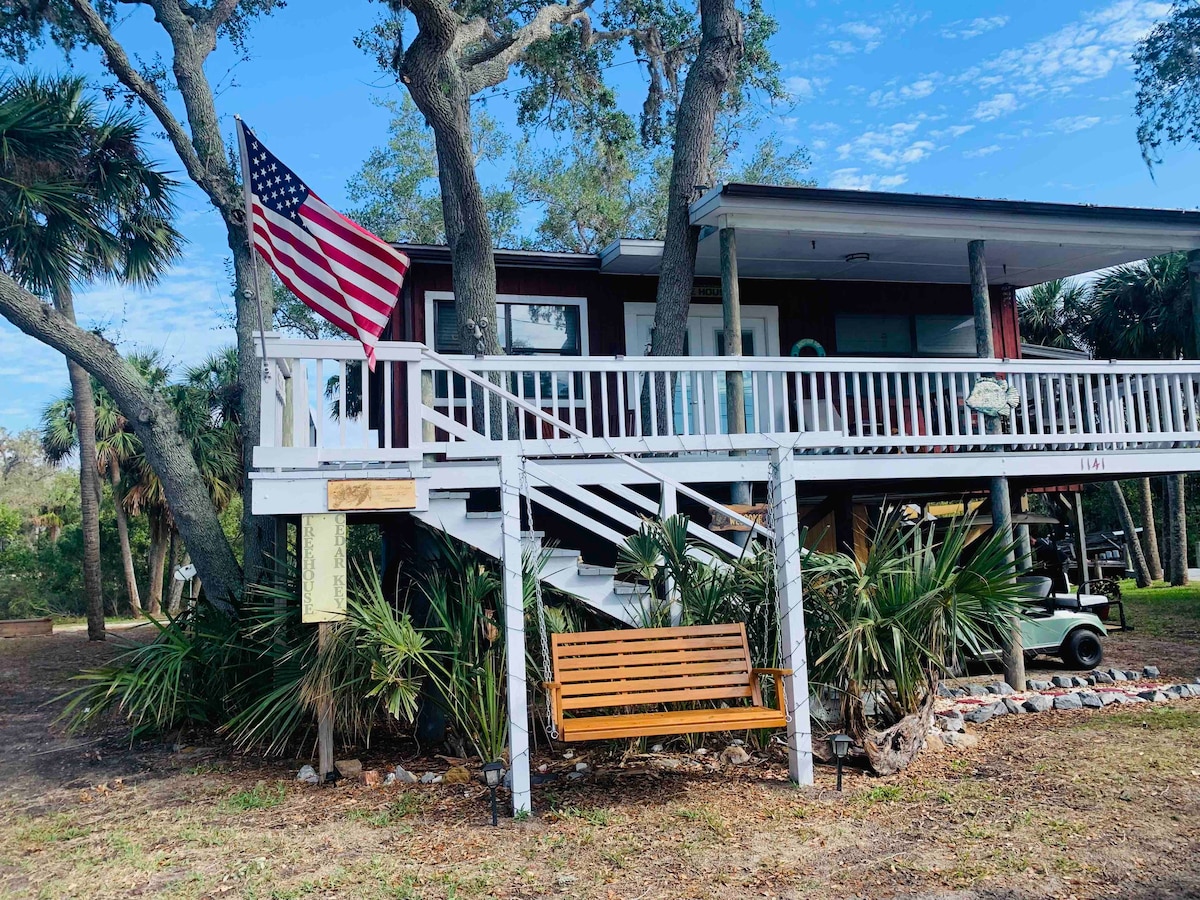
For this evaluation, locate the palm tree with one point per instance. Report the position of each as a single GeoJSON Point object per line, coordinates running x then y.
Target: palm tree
{"type": "Point", "coordinates": [81, 201]}
{"type": "Point", "coordinates": [1049, 314]}
{"type": "Point", "coordinates": [214, 439]}
{"type": "Point", "coordinates": [115, 445]}
{"type": "Point", "coordinates": [1143, 311]}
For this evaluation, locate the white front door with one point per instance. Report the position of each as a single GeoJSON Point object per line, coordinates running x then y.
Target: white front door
{"type": "Point", "coordinates": [706, 337]}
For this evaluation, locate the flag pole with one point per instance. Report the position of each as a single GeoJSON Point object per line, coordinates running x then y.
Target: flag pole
{"type": "Point", "coordinates": [262, 331]}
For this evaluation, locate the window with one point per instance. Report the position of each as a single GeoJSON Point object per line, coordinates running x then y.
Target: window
{"type": "Point", "coordinates": [528, 326]}
{"type": "Point", "coordinates": [874, 335]}
{"type": "Point", "coordinates": [904, 335]}
{"type": "Point", "coordinates": [524, 329]}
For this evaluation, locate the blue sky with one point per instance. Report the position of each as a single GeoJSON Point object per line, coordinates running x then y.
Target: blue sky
{"type": "Point", "coordinates": [988, 99]}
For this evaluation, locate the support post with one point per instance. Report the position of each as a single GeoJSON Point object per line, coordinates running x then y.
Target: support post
{"type": "Point", "coordinates": [324, 714]}
{"type": "Point", "coordinates": [785, 520]}
{"type": "Point", "coordinates": [1081, 538]}
{"type": "Point", "coordinates": [1024, 544]}
{"type": "Point", "coordinates": [731, 309]}
{"type": "Point", "coordinates": [985, 340]}
{"type": "Point", "coordinates": [514, 632]}
{"type": "Point", "coordinates": [668, 507]}
{"type": "Point", "coordinates": [985, 348]}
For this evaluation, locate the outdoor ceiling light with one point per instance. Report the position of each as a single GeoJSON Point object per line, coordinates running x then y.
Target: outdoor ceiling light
{"type": "Point", "coordinates": [493, 773]}
{"type": "Point", "coordinates": [858, 257]}
{"type": "Point", "coordinates": [840, 744]}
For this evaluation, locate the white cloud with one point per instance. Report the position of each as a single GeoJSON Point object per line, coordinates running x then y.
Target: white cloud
{"type": "Point", "coordinates": [917, 90]}
{"type": "Point", "coordinates": [801, 89]}
{"type": "Point", "coordinates": [1000, 105]}
{"type": "Point", "coordinates": [982, 151]}
{"type": "Point", "coordinates": [852, 179]}
{"type": "Point", "coordinates": [954, 131]}
{"type": "Point", "coordinates": [966, 30]}
{"type": "Point", "coordinates": [1076, 54]}
{"type": "Point", "coordinates": [845, 48]}
{"type": "Point", "coordinates": [913, 153]}
{"type": "Point", "coordinates": [1071, 124]}
{"type": "Point", "coordinates": [861, 30]}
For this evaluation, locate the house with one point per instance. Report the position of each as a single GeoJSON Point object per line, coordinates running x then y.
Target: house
{"type": "Point", "coordinates": [881, 356]}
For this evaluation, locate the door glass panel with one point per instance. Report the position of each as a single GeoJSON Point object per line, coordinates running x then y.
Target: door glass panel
{"type": "Point", "coordinates": [747, 387]}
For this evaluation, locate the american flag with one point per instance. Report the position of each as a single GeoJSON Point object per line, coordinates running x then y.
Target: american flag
{"type": "Point", "coordinates": [339, 269]}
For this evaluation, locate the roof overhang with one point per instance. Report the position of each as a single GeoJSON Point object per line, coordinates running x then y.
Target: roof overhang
{"type": "Point", "coordinates": [813, 233]}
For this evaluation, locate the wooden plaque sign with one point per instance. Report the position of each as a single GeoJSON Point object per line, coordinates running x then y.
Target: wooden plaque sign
{"type": "Point", "coordinates": [353, 495]}
{"type": "Point", "coordinates": [323, 567]}
{"type": "Point", "coordinates": [756, 513]}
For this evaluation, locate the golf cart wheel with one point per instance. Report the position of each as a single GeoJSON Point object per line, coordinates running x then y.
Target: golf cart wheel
{"type": "Point", "coordinates": [1082, 649]}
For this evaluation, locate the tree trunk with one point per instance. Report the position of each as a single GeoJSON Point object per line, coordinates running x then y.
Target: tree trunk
{"type": "Point", "coordinates": [131, 586]}
{"type": "Point", "coordinates": [176, 593]}
{"type": "Point", "coordinates": [1141, 571]}
{"type": "Point", "coordinates": [439, 89]}
{"type": "Point", "coordinates": [154, 423]}
{"type": "Point", "coordinates": [89, 476]}
{"type": "Point", "coordinates": [1149, 530]}
{"type": "Point", "coordinates": [1177, 563]}
{"type": "Point", "coordinates": [707, 80]}
{"type": "Point", "coordinates": [255, 538]}
{"type": "Point", "coordinates": [159, 541]}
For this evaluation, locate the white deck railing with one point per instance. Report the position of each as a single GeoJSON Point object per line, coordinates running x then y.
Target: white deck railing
{"type": "Point", "coordinates": [587, 405]}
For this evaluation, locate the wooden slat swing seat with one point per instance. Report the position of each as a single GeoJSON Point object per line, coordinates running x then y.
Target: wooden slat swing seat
{"type": "Point", "coordinates": [603, 670]}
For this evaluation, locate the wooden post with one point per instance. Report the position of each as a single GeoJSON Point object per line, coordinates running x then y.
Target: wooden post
{"type": "Point", "coordinates": [786, 523]}
{"type": "Point", "coordinates": [985, 348]}
{"type": "Point", "coordinates": [289, 402]}
{"type": "Point", "coordinates": [985, 341]}
{"type": "Point", "coordinates": [324, 714]}
{"type": "Point", "coordinates": [514, 632]}
{"type": "Point", "coordinates": [1081, 538]}
{"type": "Point", "coordinates": [1024, 544]}
{"type": "Point", "coordinates": [731, 308]}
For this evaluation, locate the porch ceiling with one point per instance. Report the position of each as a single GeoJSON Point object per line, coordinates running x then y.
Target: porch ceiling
{"type": "Point", "coordinates": [808, 233]}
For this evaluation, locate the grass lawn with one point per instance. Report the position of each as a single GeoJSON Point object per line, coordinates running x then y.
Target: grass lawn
{"type": "Point", "coordinates": [1084, 804]}
{"type": "Point", "coordinates": [1162, 610]}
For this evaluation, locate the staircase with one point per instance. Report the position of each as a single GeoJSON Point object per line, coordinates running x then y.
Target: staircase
{"type": "Point", "coordinates": [563, 569]}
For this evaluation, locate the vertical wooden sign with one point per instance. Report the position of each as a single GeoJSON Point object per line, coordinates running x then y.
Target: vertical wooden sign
{"type": "Point", "coordinates": [323, 567]}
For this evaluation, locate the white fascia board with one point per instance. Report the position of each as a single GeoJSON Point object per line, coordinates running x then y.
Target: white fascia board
{"type": "Point", "coordinates": [627, 249]}
{"type": "Point", "coordinates": [834, 218]}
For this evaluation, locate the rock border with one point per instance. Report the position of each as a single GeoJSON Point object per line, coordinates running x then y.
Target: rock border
{"type": "Point", "coordinates": [976, 704]}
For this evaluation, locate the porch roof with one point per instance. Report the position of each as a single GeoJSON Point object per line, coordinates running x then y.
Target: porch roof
{"type": "Point", "coordinates": [816, 233]}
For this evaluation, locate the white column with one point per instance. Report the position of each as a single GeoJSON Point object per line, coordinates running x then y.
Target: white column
{"type": "Point", "coordinates": [785, 520]}
{"type": "Point", "coordinates": [668, 508]}
{"type": "Point", "coordinates": [514, 632]}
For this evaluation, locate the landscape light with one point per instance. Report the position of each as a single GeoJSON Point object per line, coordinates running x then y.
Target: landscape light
{"type": "Point", "coordinates": [493, 773]}
{"type": "Point", "coordinates": [841, 749]}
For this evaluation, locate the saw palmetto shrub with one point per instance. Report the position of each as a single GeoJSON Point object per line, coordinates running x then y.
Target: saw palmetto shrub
{"type": "Point", "coordinates": [882, 631]}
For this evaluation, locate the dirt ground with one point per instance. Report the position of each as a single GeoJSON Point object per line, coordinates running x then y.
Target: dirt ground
{"type": "Point", "coordinates": [1083, 805]}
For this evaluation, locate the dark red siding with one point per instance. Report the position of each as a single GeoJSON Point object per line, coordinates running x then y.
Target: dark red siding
{"type": "Point", "coordinates": [806, 308]}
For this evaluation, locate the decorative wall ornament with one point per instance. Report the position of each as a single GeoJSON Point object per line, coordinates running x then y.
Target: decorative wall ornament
{"type": "Point", "coordinates": [993, 397]}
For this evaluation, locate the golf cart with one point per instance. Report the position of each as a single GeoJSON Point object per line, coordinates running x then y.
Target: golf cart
{"type": "Point", "coordinates": [1065, 625]}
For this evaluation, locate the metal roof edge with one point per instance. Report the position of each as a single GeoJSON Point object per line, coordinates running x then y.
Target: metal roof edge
{"type": "Point", "coordinates": [949, 203]}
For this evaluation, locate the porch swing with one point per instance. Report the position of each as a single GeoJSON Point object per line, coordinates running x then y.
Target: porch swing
{"type": "Point", "coordinates": [602, 670]}
{"type": "Point", "coordinates": [591, 671]}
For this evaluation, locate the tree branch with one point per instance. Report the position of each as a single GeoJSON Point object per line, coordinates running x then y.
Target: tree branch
{"type": "Point", "coordinates": [489, 66]}
{"type": "Point", "coordinates": [123, 69]}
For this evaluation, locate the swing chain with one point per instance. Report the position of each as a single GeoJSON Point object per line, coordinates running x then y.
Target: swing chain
{"type": "Point", "coordinates": [540, 610]}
